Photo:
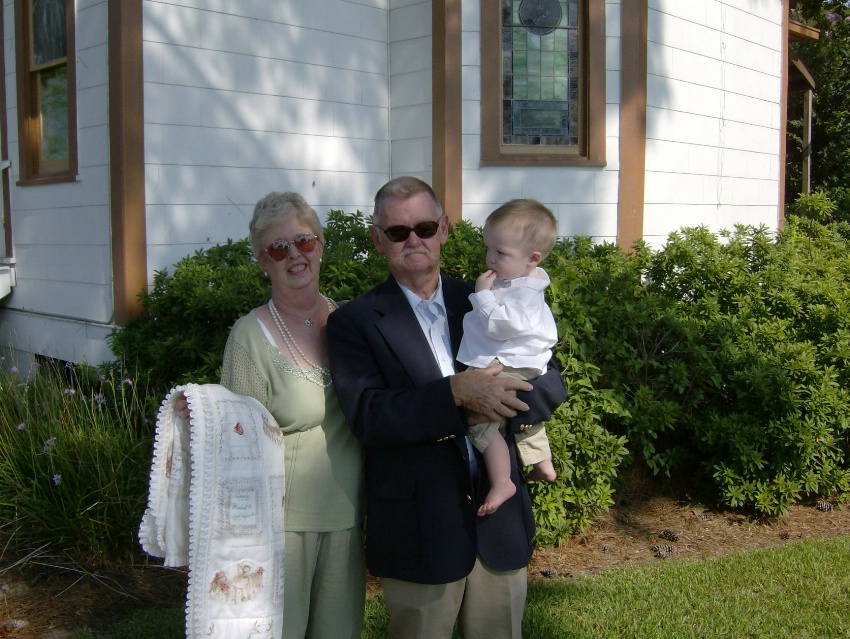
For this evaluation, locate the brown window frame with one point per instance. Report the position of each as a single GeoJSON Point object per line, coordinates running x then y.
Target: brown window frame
{"type": "Point", "coordinates": [32, 169]}
{"type": "Point", "coordinates": [591, 147]}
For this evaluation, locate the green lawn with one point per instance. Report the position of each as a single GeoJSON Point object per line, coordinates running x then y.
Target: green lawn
{"type": "Point", "coordinates": [799, 591]}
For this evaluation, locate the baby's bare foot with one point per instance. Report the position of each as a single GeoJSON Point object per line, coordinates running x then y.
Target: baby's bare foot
{"type": "Point", "coordinates": [498, 495]}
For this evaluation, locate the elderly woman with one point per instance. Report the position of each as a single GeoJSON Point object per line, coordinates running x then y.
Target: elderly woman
{"type": "Point", "coordinates": [278, 354]}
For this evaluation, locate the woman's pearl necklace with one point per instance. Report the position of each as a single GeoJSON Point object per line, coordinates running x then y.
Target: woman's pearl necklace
{"type": "Point", "coordinates": [287, 337]}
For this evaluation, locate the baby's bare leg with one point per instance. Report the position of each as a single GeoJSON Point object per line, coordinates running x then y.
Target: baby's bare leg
{"type": "Point", "coordinates": [542, 471]}
{"type": "Point", "coordinates": [498, 462]}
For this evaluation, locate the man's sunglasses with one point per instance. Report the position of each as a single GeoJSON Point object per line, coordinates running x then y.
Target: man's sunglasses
{"type": "Point", "coordinates": [279, 249]}
{"type": "Point", "coordinates": [400, 233]}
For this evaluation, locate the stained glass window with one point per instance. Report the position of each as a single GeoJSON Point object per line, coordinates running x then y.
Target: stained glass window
{"type": "Point", "coordinates": [540, 72]}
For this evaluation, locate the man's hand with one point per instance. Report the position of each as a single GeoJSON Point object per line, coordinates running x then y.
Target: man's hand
{"type": "Point", "coordinates": [481, 391]}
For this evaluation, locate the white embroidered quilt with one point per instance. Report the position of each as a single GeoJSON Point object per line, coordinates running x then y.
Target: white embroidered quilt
{"type": "Point", "coordinates": [216, 504]}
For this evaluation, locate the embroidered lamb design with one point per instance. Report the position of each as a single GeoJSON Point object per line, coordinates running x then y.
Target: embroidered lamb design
{"type": "Point", "coordinates": [262, 629]}
{"type": "Point", "coordinates": [237, 583]}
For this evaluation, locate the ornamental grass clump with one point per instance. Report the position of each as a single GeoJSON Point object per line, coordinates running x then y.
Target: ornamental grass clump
{"type": "Point", "coordinates": [75, 450]}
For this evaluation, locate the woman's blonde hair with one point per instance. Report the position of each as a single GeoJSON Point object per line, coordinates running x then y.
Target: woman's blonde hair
{"type": "Point", "coordinates": [276, 207]}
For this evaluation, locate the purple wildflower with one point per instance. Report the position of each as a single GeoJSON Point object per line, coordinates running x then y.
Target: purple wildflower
{"type": "Point", "coordinates": [833, 17]}
{"type": "Point", "coordinates": [13, 369]}
{"type": "Point", "coordinates": [100, 399]}
{"type": "Point", "coordinates": [57, 479]}
{"type": "Point", "coordinates": [69, 391]}
{"type": "Point", "coordinates": [22, 426]}
{"type": "Point", "coordinates": [49, 444]}
{"type": "Point", "coordinates": [127, 381]}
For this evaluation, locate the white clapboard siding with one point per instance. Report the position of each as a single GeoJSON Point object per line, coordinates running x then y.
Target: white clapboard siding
{"type": "Point", "coordinates": [410, 44]}
{"type": "Point", "coordinates": [713, 115]}
{"type": "Point", "coordinates": [242, 98]}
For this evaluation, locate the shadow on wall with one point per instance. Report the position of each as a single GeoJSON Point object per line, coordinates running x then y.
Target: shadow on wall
{"type": "Point", "coordinates": [279, 96]}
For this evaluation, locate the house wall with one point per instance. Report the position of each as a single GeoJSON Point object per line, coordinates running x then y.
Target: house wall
{"type": "Point", "coordinates": [62, 302]}
{"type": "Point", "coordinates": [713, 114]}
{"type": "Point", "coordinates": [243, 98]}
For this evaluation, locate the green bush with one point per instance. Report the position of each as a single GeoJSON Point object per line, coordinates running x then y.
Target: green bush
{"type": "Point", "coordinates": [464, 255]}
{"type": "Point", "coordinates": [75, 451]}
{"type": "Point", "coordinates": [186, 317]}
{"type": "Point", "coordinates": [736, 370]}
{"type": "Point", "coordinates": [351, 264]}
{"type": "Point", "coordinates": [724, 357]}
{"type": "Point", "coordinates": [586, 456]}
{"type": "Point", "coordinates": [817, 206]}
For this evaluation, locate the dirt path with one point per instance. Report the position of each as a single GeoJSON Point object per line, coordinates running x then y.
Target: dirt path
{"type": "Point", "coordinates": [661, 528]}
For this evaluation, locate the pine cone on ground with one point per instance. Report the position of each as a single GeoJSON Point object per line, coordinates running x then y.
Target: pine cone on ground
{"type": "Point", "coordinates": [662, 551]}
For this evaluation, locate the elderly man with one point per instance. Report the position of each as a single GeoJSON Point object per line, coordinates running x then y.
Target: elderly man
{"type": "Point", "coordinates": [407, 400]}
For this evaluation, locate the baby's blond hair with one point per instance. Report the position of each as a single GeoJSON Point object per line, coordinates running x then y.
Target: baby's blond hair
{"type": "Point", "coordinates": [536, 225]}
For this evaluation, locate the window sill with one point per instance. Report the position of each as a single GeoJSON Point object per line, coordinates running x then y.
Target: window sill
{"type": "Point", "coordinates": [543, 160]}
{"type": "Point", "coordinates": [47, 179]}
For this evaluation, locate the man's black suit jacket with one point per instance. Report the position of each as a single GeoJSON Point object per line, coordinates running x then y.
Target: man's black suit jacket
{"type": "Point", "coordinates": [421, 520]}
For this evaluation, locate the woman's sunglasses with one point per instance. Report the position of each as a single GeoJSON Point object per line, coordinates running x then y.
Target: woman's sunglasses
{"type": "Point", "coordinates": [400, 233]}
{"type": "Point", "coordinates": [279, 249]}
